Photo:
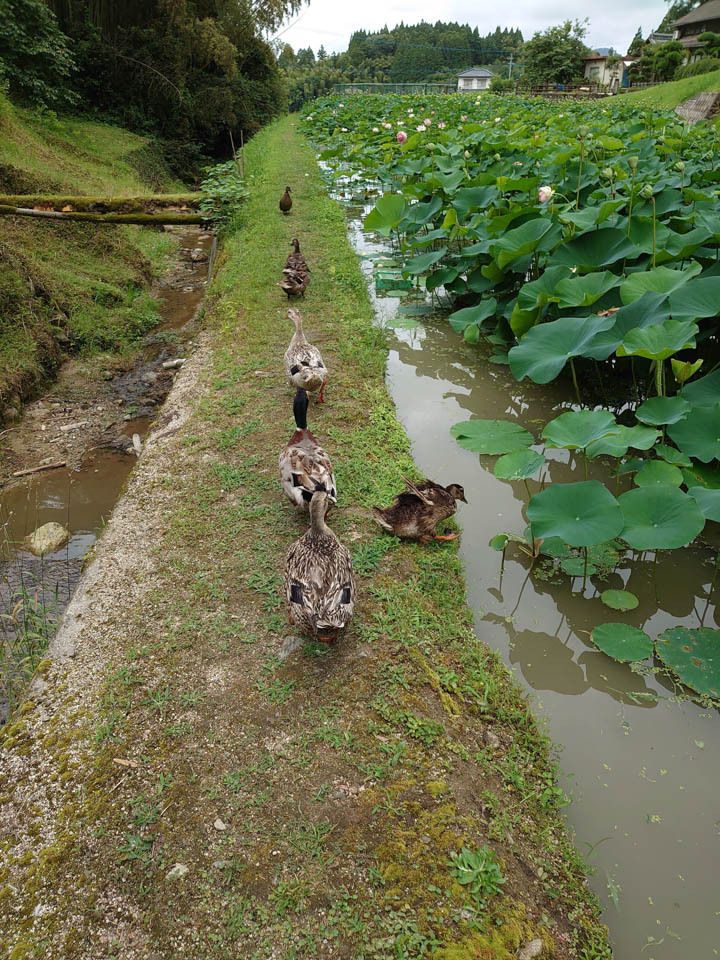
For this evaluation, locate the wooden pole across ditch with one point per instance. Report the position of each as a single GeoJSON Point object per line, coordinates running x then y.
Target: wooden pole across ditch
{"type": "Point", "coordinates": [145, 219]}
{"type": "Point", "coordinates": [138, 204]}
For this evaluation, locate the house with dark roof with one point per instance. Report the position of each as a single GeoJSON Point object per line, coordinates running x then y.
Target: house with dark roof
{"type": "Point", "coordinates": [475, 79]}
{"type": "Point", "coordinates": [613, 75]}
{"type": "Point", "coordinates": [688, 28]}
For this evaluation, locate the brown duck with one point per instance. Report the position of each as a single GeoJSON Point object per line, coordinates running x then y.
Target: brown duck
{"type": "Point", "coordinates": [286, 201]}
{"type": "Point", "coordinates": [296, 273]}
{"type": "Point", "coordinates": [415, 513]}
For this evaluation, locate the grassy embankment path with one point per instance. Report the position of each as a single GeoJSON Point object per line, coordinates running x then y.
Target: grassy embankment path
{"type": "Point", "coordinates": [293, 806]}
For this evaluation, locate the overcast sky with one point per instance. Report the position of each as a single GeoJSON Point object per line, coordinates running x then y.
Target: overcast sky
{"type": "Point", "coordinates": [330, 22]}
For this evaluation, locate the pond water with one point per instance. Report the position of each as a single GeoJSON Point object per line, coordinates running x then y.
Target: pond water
{"type": "Point", "coordinates": [642, 765]}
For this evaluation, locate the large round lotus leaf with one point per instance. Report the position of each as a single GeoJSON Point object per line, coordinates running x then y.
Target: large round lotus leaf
{"type": "Point", "coordinates": [622, 642]}
{"type": "Point", "coordinates": [659, 280]}
{"type": "Point", "coordinates": [708, 501]}
{"type": "Point", "coordinates": [581, 514]}
{"type": "Point", "coordinates": [658, 472]}
{"type": "Point", "coordinates": [578, 428]}
{"type": "Point", "coordinates": [698, 434]}
{"type": "Point", "coordinates": [577, 567]}
{"type": "Point", "coordinates": [704, 392]}
{"type": "Point", "coordinates": [387, 213]}
{"type": "Point", "coordinates": [518, 465]}
{"type": "Point", "coordinates": [546, 348]}
{"type": "Point", "coordinates": [619, 599]}
{"type": "Point", "coordinates": [659, 341]}
{"type": "Point", "coordinates": [660, 410]}
{"type": "Point", "coordinates": [659, 518]}
{"type": "Point", "coordinates": [616, 444]}
{"type": "Point", "coordinates": [673, 455]}
{"type": "Point", "coordinates": [694, 655]}
{"type": "Point", "coordinates": [491, 436]}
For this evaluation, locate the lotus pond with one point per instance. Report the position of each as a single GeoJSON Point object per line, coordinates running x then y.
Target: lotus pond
{"type": "Point", "coordinates": [552, 282]}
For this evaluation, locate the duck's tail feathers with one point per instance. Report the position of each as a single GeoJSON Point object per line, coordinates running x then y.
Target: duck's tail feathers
{"type": "Point", "coordinates": [379, 517]}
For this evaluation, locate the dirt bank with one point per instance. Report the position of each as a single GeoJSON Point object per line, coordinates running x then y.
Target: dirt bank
{"type": "Point", "coordinates": [190, 780]}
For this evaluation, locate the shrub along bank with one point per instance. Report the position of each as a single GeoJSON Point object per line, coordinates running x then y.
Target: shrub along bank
{"type": "Point", "coordinates": [222, 788]}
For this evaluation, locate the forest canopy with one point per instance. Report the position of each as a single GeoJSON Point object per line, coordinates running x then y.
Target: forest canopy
{"type": "Point", "coordinates": [187, 72]}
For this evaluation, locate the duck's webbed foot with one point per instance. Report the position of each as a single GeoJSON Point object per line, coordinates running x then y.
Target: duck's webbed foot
{"type": "Point", "coordinates": [446, 536]}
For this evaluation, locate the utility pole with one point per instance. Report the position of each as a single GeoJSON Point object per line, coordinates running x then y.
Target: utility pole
{"type": "Point", "coordinates": [510, 66]}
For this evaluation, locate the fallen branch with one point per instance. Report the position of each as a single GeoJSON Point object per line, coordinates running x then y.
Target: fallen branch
{"type": "Point", "coordinates": [43, 466]}
{"type": "Point", "coordinates": [158, 201]}
{"type": "Point", "coordinates": [144, 219]}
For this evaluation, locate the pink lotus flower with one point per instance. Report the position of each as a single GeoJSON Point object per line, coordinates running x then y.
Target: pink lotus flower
{"type": "Point", "coordinates": [376, 129]}
{"type": "Point", "coordinates": [545, 193]}
{"type": "Point", "coordinates": [343, 129]}
{"type": "Point", "coordinates": [464, 117]}
{"type": "Point", "coordinates": [401, 136]}
{"type": "Point", "coordinates": [341, 104]}
{"type": "Point", "coordinates": [427, 121]}
{"type": "Point", "coordinates": [441, 125]}
{"type": "Point", "coordinates": [421, 128]}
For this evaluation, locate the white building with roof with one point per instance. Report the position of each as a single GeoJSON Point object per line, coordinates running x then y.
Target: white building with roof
{"type": "Point", "coordinates": [475, 79]}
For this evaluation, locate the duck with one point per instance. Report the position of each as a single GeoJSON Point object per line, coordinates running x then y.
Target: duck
{"type": "Point", "coordinates": [319, 584]}
{"type": "Point", "coordinates": [416, 512]}
{"type": "Point", "coordinates": [286, 201]}
{"type": "Point", "coordinates": [305, 468]}
{"type": "Point", "coordinates": [303, 362]}
{"type": "Point", "coordinates": [296, 258]}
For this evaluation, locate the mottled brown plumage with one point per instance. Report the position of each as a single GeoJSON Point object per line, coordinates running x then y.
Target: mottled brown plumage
{"type": "Point", "coordinates": [415, 513]}
{"type": "Point", "coordinates": [304, 364]}
{"type": "Point", "coordinates": [319, 584]}
{"type": "Point", "coordinates": [296, 273]}
{"type": "Point", "coordinates": [305, 468]}
{"type": "Point", "coordinates": [286, 201]}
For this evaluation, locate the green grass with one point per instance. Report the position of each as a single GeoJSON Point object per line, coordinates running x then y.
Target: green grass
{"type": "Point", "coordinates": [666, 96]}
{"type": "Point", "coordinates": [69, 288]}
{"type": "Point", "coordinates": [346, 775]}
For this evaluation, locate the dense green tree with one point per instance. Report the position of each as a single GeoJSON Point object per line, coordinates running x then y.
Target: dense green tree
{"type": "Point", "coordinates": [636, 44]}
{"type": "Point", "coordinates": [36, 57]}
{"type": "Point", "coordinates": [556, 55]}
{"type": "Point", "coordinates": [712, 43]}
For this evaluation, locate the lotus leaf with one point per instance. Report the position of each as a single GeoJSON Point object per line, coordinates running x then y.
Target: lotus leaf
{"type": "Point", "coordinates": [491, 436]}
{"type": "Point", "coordinates": [499, 542]}
{"type": "Point", "coordinates": [697, 299]}
{"type": "Point", "coordinates": [617, 443]}
{"type": "Point", "coordinates": [581, 514]}
{"type": "Point", "coordinates": [705, 392]}
{"type": "Point", "coordinates": [386, 214]}
{"type": "Point", "coordinates": [694, 655]}
{"type": "Point", "coordinates": [700, 475]}
{"type": "Point", "coordinates": [684, 369]}
{"type": "Point", "coordinates": [647, 310]}
{"type": "Point", "coordinates": [577, 429]}
{"type": "Point", "coordinates": [423, 263]}
{"type": "Point", "coordinates": [582, 291]}
{"type": "Point", "coordinates": [672, 455]}
{"type": "Point", "coordinates": [546, 348]}
{"type": "Point", "coordinates": [619, 599]}
{"type": "Point", "coordinates": [659, 518]}
{"type": "Point", "coordinates": [662, 410]}
{"type": "Point", "coordinates": [659, 280]}
{"type": "Point", "coordinates": [658, 472]}
{"type": "Point", "coordinates": [659, 341]}
{"type": "Point", "coordinates": [518, 465]}
{"type": "Point", "coordinates": [578, 567]}
{"type": "Point", "coordinates": [622, 642]}
{"type": "Point", "coordinates": [462, 319]}
{"type": "Point", "coordinates": [537, 293]}
{"type": "Point", "coordinates": [520, 242]}
{"type": "Point", "coordinates": [597, 248]}
{"type": "Point", "coordinates": [698, 435]}
{"type": "Point", "coordinates": [708, 500]}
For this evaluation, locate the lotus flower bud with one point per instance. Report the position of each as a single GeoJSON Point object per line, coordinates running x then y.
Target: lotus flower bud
{"type": "Point", "coordinates": [545, 193]}
{"type": "Point", "coordinates": [633, 162]}
{"type": "Point", "coordinates": [680, 166]}
{"type": "Point", "coordinates": [467, 154]}
{"type": "Point", "coordinates": [401, 136]}
{"type": "Point", "coordinates": [497, 157]}
{"type": "Point", "coordinates": [607, 172]}
{"type": "Point", "coordinates": [647, 192]}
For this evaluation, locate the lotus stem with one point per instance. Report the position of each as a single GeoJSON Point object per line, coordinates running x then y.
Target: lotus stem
{"type": "Point", "coordinates": [527, 488]}
{"type": "Point", "coordinates": [584, 567]}
{"type": "Point", "coordinates": [655, 576]}
{"type": "Point", "coordinates": [632, 193]}
{"type": "Point", "coordinates": [574, 376]}
{"type": "Point", "coordinates": [632, 368]}
{"type": "Point", "coordinates": [658, 377]}
{"type": "Point", "coordinates": [654, 222]}
{"type": "Point", "coordinates": [617, 476]}
{"type": "Point", "coordinates": [715, 573]}
{"type": "Point", "coordinates": [582, 156]}
{"type": "Point", "coordinates": [585, 457]}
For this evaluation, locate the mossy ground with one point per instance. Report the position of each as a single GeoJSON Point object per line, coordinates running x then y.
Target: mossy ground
{"type": "Point", "coordinates": [71, 287]}
{"type": "Point", "coordinates": [343, 777]}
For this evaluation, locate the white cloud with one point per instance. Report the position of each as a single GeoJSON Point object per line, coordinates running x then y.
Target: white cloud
{"type": "Point", "coordinates": [329, 23]}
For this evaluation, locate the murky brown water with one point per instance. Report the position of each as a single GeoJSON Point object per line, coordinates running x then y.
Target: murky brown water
{"type": "Point", "coordinates": [82, 499]}
{"type": "Point", "coordinates": [643, 767]}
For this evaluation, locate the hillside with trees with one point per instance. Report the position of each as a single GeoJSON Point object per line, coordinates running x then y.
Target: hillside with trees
{"type": "Point", "coordinates": [404, 54]}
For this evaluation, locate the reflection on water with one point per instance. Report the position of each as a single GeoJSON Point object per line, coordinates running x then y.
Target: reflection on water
{"type": "Point", "coordinates": [643, 767]}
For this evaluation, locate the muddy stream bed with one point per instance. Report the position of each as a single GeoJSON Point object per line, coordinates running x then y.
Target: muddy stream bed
{"type": "Point", "coordinates": [641, 764]}
{"type": "Point", "coordinates": [95, 427]}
